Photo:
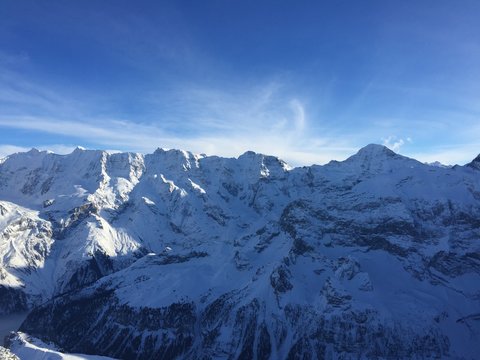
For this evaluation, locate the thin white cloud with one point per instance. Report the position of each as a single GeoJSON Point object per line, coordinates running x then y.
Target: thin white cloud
{"type": "Point", "coordinates": [264, 118]}
{"type": "Point", "coordinates": [131, 136]}
{"type": "Point", "coordinates": [299, 115]}
{"type": "Point", "coordinates": [268, 117]}
{"type": "Point", "coordinates": [20, 95]}
{"type": "Point", "coordinates": [105, 132]}
{"type": "Point", "coordinates": [394, 143]}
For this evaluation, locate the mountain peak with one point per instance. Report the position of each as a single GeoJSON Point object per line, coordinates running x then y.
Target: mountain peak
{"type": "Point", "coordinates": [475, 163]}
{"type": "Point", "coordinates": [160, 150]}
{"type": "Point", "coordinates": [375, 150]}
{"type": "Point", "coordinates": [249, 153]}
{"type": "Point", "coordinates": [378, 158]}
{"type": "Point", "coordinates": [373, 153]}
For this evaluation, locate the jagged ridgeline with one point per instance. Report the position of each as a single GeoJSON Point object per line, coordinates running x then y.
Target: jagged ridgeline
{"type": "Point", "coordinates": [175, 255]}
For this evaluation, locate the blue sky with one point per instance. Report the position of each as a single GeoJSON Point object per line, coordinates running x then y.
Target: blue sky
{"type": "Point", "coordinates": [308, 81]}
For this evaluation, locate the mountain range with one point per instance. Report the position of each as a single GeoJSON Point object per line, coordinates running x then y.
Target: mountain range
{"type": "Point", "coordinates": [173, 255]}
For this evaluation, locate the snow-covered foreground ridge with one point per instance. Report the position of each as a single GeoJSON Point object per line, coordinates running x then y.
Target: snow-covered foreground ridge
{"type": "Point", "coordinates": [24, 347]}
{"type": "Point", "coordinates": [176, 255]}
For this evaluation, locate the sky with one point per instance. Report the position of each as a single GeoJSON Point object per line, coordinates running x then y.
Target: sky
{"type": "Point", "coordinates": [307, 81]}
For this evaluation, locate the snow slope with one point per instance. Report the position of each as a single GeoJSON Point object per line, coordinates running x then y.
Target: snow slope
{"type": "Point", "coordinates": [28, 348]}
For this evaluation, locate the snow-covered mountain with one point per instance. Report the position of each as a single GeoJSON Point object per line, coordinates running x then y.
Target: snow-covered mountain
{"type": "Point", "coordinates": [176, 255]}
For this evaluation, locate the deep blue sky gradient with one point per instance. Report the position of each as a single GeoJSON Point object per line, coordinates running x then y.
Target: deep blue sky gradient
{"type": "Point", "coordinates": [305, 80]}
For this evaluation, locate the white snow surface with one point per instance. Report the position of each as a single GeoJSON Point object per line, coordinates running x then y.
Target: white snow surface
{"type": "Point", "coordinates": [30, 348]}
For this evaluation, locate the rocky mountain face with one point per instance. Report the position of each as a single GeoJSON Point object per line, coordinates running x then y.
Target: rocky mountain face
{"type": "Point", "coordinates": [176, 255]}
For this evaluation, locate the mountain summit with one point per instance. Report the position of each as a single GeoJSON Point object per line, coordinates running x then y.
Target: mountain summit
{"type": "Point", "coordinates": [177, 255]}
{"type": "Point", "coordinates": [375, 151]}
{"type": "Point", "coordinates": [475, 163]}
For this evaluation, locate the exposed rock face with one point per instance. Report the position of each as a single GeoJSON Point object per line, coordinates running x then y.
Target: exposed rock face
{"type": "Point", "coordinates": [12, 300]}
{"type": "Point", "coordinates": [154, 333]}
{"type": "Point", "coordinates": [173, 255]}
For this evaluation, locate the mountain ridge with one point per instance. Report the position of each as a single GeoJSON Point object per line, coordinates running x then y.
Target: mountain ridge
{"type": "Point", "coordinates": [371, 148]}
{"type": "Point", "coordinates": [195, 256]}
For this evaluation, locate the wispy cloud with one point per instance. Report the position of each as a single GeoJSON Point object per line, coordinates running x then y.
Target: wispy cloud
{"type": "Point", "coordinates": [160, 75]}
{"type": "Point", "coordinates": [265, 117]}
{"type": "Point", "coordinates": [18, 95]}
{"type": "Point", "coordinates": [268, 119]}
{"type": "Point", "coordinates": [285, 136]}
{"type": "Point", "coordinates": [395, 143]}
{"type": "Point", "coordinates": [268, 116]}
